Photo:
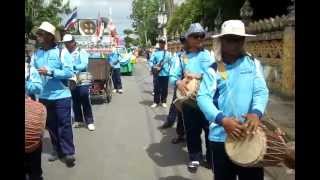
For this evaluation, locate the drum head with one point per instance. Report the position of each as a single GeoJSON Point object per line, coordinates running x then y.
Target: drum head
{"type": "Point", "coordinates": [248, 151]}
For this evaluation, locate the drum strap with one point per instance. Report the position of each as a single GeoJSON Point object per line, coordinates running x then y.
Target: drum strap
{"type": "Point", "coordinates": [182, 68]}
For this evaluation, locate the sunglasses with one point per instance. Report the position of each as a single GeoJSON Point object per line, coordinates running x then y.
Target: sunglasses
{"type": "Point", "coordinates": [197, 35]}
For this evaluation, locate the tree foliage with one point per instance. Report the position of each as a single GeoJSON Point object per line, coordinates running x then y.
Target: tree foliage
{"type": "Point", "coordinates": [145, 22]}
{"type": "Point", "coordinates": [203, 11]}
{"type": "Point", "coordinates": [129, 41]}
{"type": "Point", "coordinates": [37, 11]}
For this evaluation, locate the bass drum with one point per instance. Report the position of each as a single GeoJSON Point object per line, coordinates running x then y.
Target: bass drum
{"type": "Point", "coordinates": [35, 120]}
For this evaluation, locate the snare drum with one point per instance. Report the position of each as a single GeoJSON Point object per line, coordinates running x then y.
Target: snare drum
{"type": "Point", "coordinates": [265, 148]}
{"type": "Point", "coordinates": [84, 78]}
{"type": "Point", "coordinates": [190, 98]}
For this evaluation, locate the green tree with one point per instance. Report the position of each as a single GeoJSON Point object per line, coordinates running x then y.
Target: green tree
{"type": "Point", "coordinates": [145, 22]}
{"type": "Point", "coordinates": [203, 11]}
{"type": "Point", "coordinates": [129, 41]}
{"type": "Point", "coordinates": [37, 11]}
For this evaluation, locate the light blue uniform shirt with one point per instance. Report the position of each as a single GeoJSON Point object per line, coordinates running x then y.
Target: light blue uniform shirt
{"type": "Point", "coordinates": [114, 59]}
{"type": "Point", "coordinates": [62, 68]}
{"type": "Point", "coordinates": [159, 56]}
{"type": "Point", "coordinates": [191, 62]}
{"type": "Point", "coordinates": [244, 91]}
{"type": "Point", "coordinates": [33, 82]}
{"type": "Point", "coordinates": [80, 60]}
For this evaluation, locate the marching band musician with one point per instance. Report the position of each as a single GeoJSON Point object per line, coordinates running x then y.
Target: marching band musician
{"type": "Point", "coordinates": [55, 67]}
{"type": "Point", "coordinates": [173, 112]}
{"type": "Point", "coordinates": [193, 62]}
{"type": "Point", "coordinates": [32, 160]}
{"type": "Point", "coordinates": [114, 59]}
{"type": "Point", "coordinates": [80, 94]}
{"type": "Point", "coordinates": [162, 59]}
{"type": "Point", "coordinates": [233, 96]}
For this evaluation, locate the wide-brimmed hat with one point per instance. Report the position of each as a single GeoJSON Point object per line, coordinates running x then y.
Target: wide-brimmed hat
{"type": "Point", "coordinates": [67, 38]}
{"type": "Point", "coordinates": [233, 27]}
{"type": "Point", "coordinates": [195, 28]}
{"type": "Point", "coordinates": [46, 26]}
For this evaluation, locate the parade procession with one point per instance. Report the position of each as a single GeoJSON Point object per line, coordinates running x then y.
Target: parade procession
{"type": "Point", "coordinates": [159, 90]}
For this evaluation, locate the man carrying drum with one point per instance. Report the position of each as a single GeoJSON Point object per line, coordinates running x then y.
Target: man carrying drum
{"type": "Point", "coordinates": [80, 94]}
{"type": "Point", "coordinates": [233, 96]}
{"type": "Point", "coordinates": [173, 112]}
{"type": "Point", "coordinates": [191, 65]}
{"type": "Point", "coordinates": [55, 67]}
{"type": "Point", "coordinates": [33, 139]}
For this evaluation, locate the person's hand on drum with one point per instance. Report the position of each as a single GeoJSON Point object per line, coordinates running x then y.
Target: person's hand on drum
{"type": "Point", "coordinates": [182, 86]}
{"type": "Point", "coordinates": [252, 123]}
{"type": "Point", "coordinates": [233, 128]}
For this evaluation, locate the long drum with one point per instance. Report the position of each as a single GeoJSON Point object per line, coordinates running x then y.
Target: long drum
{"type": "Point", "coordinates": [35, 120]}
{"type": "Point", "coordinates": [265, 148]}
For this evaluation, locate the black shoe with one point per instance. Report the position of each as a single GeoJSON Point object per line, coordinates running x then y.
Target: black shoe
{"type": "Point", "coordinates": [53, 157]}
{"type": "Point", "coordinates": [69, 160]}
{"type": "Point", "coordinates": [167, 124]}
{"type": "Point", "coordinates": [178, 140]}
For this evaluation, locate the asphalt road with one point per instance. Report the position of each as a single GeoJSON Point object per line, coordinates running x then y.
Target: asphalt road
{"type": "Point", "coordinates": [127, 144]}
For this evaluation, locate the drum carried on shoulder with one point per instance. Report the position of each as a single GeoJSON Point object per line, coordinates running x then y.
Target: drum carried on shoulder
{"type": "Point", "coordinates": [35, 120]}
{"type": "Point", "coordinates": [265, 148]}
{"type": "Point", "coordinates": [193, 85]}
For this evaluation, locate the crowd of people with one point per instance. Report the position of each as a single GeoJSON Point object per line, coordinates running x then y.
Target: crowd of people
{"type": "Point", "coordinates": [231, 97]}
{"type": "Point", "coordinates": [230, 100]}
{"type": "Point", "coordinates": [51, 78]}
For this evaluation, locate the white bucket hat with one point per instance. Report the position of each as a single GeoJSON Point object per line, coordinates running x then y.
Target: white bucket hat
{"type": "Point", "coordinates": [67, 38]}
{"type": "Point", "coordinates": [45, 26]}
{"type": "Point", "coordinates": [232, 27]}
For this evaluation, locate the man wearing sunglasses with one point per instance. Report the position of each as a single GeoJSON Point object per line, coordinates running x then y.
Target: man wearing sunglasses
{"type": "Point", "coordinates": [233, 96]}
{"type": "Point", "coordinates": [55, 68]}
{"type": "Point", "coordinates": [194, 61]}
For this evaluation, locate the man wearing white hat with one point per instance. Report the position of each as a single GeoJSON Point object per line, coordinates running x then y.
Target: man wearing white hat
{"type": "Point", "coordinates": [193, 62]}
{"type": "Point", "coordinates": [233, 96]}
{"type": "Point", "coordinates": [80, 94]}
{"type": "Point", "coordinates": [55, 67]}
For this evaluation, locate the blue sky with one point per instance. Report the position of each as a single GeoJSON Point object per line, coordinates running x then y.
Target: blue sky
{"type": "Point", "coordinates": [121, 10]}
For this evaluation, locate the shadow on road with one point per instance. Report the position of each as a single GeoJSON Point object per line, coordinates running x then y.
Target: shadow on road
{"type": "Point", "coordinates": [147, 92]}
{"type": "Point", "coordinates": [160, 117]}
{"type": "Point", "coordinates": [174, 178]}
{"type": "Point", "coordinates": [165, 153]}
{"type": "Point", "coordinates": [146, 102]}
{"type": "Point", "coordinates": [46, 145]}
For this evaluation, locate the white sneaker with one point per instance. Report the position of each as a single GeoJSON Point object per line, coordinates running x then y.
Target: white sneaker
{"type": "Point", "coordinates": [91, 127]}
{"type": "Point", "coordinates": [77, 124]}
{"type": "Point", "coordinates": [153, 105]}
{"type": "Point", "coordinates": [164, 105]}
{"type": "Point", "coordinates": [114, 91]}
{"type": "Point", "coordinates": [120, 91]}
